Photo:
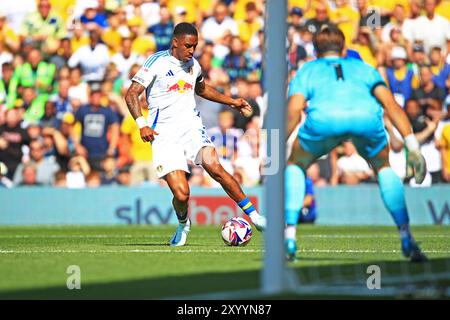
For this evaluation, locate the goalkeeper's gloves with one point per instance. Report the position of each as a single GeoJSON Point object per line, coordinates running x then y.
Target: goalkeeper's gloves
{"type": "Point", "coordinates": [415, 162]}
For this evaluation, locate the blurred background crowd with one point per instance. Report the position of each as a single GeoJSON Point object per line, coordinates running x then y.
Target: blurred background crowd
{"type": "Point", "coordinates": [65, 66]}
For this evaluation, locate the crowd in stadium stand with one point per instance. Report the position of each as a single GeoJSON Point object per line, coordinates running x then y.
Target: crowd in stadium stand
{"type": "Point", "coordinates": [65, 66]}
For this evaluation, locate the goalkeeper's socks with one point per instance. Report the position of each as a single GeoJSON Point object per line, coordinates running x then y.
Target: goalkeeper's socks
{"type": "Point", "coordinates": [295, 193]}
{"type": "Point", "coordinates": [290, 232]}
{"type": "Point", "coordinates": [247, 206]}
{"type": "Point", "coordinates": [393, 195]}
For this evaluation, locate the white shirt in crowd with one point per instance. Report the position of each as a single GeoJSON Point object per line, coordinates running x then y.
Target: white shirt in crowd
{"type": "Point", "coordinates": [124, 64]}
{"type": "Point", "coordinates": [93, 63]}
{"type": "Point", "coordinates": [353, 164]}
{"type": "Point", "coordinates": [79, 92]}
{"type": "Point", "coordinates": [212, 30]}
{"type": "Point", "coordinates": [75, 180]}
{"type": "Point", "coordinates": [433, 33]}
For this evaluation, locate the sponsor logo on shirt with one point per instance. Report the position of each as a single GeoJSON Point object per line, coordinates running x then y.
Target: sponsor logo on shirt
{"type": "Point", "coordinates": [181, 87]}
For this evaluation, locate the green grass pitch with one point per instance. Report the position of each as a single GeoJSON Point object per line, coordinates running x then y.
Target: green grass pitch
{"type": "Point", "coordinates": [135, 262]}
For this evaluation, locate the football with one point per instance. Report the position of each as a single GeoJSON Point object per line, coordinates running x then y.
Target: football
{"type": "Point", "coordinates": [236, 232]}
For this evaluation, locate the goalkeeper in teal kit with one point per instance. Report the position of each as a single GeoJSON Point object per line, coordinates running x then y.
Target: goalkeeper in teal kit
{"type": "Point", "coordinates": [344, 99]}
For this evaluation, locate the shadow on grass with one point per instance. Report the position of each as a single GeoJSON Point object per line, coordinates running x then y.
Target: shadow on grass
{"type": "Point", "coordinates": [396, 274]}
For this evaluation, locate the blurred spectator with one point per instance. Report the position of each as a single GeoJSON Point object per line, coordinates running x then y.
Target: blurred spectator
{"type": "Point", "coordinates": [143, 43]}
{"type": "Point", "coordinates": [96, 121]}
{"type": "Point", "coordinates": [78, 171]}
{"type": "Point", "coordinates": [214, 27]}
{"type": "Point", "coordinates": [397, 20]}
{"type": "Point", "coordinates": [436, 60]}
{"type": "Point", "coordinates": [109, 173]}
{"type": "Point", "coordinates": [399, 76]}
{"type": "Point", "coordinates": [236, 62]}
{"type": "Point", "coordinates": [60, 179]}
{"type": "Point", "coordinates": [444, 145]}
{"type": "Point", "coordinates": [430, 29]}
{"type": "Point", "coordinates": [94, 180]}
{"type": "Point", "coordinates": [62, 55]}
{"type": "Point", "coordinates": [62, 100]}
{"type": "Point", "coordinates": [141, 152]}
{"type": "Point", "coordinates": [345, 17]}
{"type": "Point", "coordinates": [112, 36]}
{"type": "Point", "coordinates": [78, 87]}
{"type": "Point", "coordinates": [92, 58]}
{"type": "Point", "coordinates": [12, 138]}
{"type": "Point", "coordinates": [57, 146]}
{"type": "Point", "coordinates": [148, 11]}
{"type": "Point", "coordinates": [36, 73]}
{"type": "Point", "coordinates": [8, 36]}
{"type": "Point", "coordinates": [8, 86]}
{"type": "Point", "coordinates": [17, 12]}
{"type": "Point", "coordinates": [43, 27]}
{"type": "Point", "coordinates": [352, 168]}
{"type": "Point", "coordinates": [125, 58]}
{"type": "Point", "coordinates": [92, 16]}
{"type": "Point", "coordinates": [322, 19]}
{"type": "Point", "coordinates": [162, 31]}
{"type": "Point", "coordinates": [296, 18]}
{"type": "Point", "coordinates": [45, 167]}
{"type": "Point", "coordinates": [424, 128]}
{"type": "Point", "coordinates": [225, 138]}
{"type": "Point", "coordinates": [429, 96]}
{"type": "Point", "coordinates": [28, 176]}
{"type": "Point", "coordinates": [418, 59]}
{"type": "Point", "coordinates": [314, 174]}
{"type": "Point", "coordinates": [124, 176]}
{"type": "Point", "coordinates": [32, 104]}
{"type": "Point", "coordinates": [4, 181]}
{"type": "Point", "coordinates": [249, 26]}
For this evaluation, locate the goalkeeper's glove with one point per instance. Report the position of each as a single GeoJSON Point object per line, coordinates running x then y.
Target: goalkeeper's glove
{"type": "Point", "coordinates": [415, 162]}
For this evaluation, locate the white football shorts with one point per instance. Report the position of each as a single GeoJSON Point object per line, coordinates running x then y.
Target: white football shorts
{"type": "Point", "coordinates": [175, 145]}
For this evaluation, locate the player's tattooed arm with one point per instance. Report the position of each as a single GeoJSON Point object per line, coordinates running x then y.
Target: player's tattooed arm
{"type": "Point", "coordinates": [134, 105]}
{"type": "Point", "coordinates": [132, 99]}
{"type": "Point", "coordinates": [206, 91]}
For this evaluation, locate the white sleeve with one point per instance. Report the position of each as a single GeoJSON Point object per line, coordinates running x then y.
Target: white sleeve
{"type": "Point", "coordinates": [145, 75]}
{"type": "Point", "coordinates": [198, 70]}
{"type": "Point", "coordinates": [74, 59]}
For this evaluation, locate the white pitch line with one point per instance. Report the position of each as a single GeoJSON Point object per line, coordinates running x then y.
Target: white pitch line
{"type": "Point", "coordinates": [130, 251]}
{"type": "Point", "coordinates": [6, 251]}
{"type": "Point", "coordinates": [152, 236]}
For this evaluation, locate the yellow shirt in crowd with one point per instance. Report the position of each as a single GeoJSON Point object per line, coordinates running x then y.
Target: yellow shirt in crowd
{"type": "Point", "coordinates": [351, 18]}
{"type": "Point", "coordinates": [140, 150]}
{"type": "Point", "coordinates": [445, 144]}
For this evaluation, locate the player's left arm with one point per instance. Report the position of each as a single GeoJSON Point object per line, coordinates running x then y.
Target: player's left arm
{"type": "Point", "coordinates": [296, 104]}
{"type": "Point", "coordinates": [206, 91]}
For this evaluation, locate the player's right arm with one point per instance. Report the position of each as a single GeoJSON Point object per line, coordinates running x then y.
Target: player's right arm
{"type": "Point", "coordinates": [140, 82]}
{"type": "Point", "coordinates": [393, 110]}
{"type": "Point", "coordinates": [401, 122]}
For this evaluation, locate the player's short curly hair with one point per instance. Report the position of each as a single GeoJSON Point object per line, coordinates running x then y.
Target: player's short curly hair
{"type": "Point", "coordinates": [185, 28]}
{"type": "Point", "coordinates": [329, 39]}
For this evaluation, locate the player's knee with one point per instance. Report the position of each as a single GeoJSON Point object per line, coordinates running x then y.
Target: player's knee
{"type": "Point", "coordinates": [181, 194]}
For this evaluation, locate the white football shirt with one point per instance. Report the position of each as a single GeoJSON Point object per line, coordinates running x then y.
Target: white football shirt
{"type": "Point", "coordinates": [170, 85]}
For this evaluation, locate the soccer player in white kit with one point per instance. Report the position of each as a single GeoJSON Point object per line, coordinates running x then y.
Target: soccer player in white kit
{"type": "Point", "coordinates": [174, 127]}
